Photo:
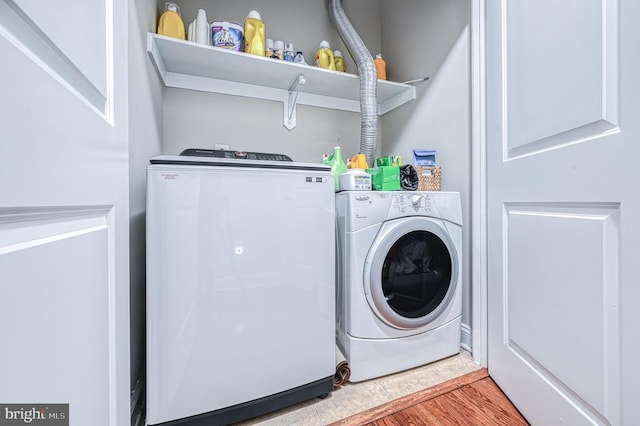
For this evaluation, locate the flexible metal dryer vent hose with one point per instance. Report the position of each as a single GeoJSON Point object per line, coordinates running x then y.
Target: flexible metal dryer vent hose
{"type": "Point", "coordinates": [368, 79]}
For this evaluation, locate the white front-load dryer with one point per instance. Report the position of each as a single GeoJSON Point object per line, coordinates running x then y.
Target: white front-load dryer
{"type": "Point", "coordinates": [398, 279]}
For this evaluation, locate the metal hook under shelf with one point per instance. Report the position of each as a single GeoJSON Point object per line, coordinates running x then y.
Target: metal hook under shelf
{"type": "Point", "coordinates": [290, 104]}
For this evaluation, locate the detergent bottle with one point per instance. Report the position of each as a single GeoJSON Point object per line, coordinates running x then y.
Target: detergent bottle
{"type": "Point", "coordinates": [202, 29]}
{"type": "Point", "coordinates": [339, 60]}
{"type": "Point", "coordinates": [324, 56]}
{"type": "Point", "coordinates": [337, 164]}
{"type": "Point", "coordinates": [254, 34]}
{"type": "Point", "coordinates": [170, 23]}
{"type": "Point", "coordinates": [381, 67]}
{"type": "Point", "coordinates": [358, 161]}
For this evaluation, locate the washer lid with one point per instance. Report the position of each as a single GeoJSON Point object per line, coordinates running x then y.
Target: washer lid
{"type": "Point", "coordinates": [410, 272]}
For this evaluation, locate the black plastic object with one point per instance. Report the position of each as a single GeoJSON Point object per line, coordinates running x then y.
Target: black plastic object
{"type": "Point", "coordinates": [408, 178]}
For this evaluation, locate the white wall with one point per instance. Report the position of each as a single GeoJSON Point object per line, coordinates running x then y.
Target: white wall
{"type": "Point", "coordinates": [145, 128]}
{"type": "Point", "coordinates": [200, 120]}
{"type": "Point", "coordinates": [432, 38]}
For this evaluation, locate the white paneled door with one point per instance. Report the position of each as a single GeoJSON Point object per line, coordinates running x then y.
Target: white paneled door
{"type": "Point", "coordinates": [64, 313]}
{"type": "Point", "coordinates": [563, 138]}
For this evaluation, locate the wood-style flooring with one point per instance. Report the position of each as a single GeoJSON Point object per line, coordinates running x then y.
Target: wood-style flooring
{"type": "Point", "coordinates": [472, 399]}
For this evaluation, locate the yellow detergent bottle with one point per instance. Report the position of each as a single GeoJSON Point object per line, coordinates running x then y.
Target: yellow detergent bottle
{"type": "Point", "coordinates": [358, 161]}
{"type": "Point", "coordinates": [339, 60]}
{"type": "Point", "coordinates": [324, 56]}
{"type": "Point", "coordinates": [254, 34]}
{"type": "Point", "coordinates": [170, 23]}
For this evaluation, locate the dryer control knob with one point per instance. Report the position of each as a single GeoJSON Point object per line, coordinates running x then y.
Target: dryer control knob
{"type": "Point", "coordinates": [415, 199]}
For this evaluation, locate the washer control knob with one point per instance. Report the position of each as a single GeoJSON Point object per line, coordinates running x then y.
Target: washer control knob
{"type": "Point", "coordinates": [415, 200]}
{"type": "Point", "coordinates": [240, 154]}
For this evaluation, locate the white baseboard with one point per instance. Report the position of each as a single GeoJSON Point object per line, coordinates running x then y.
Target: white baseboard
{"type": "Point", "coordinates": [466, 337]}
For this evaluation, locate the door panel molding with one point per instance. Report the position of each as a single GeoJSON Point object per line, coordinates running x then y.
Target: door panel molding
{"type": "Point", "coordinates": [20, 30]}
{"type": "Point", "coordinates": [560, 86]}
{"type": "Point", "coordinates": [597, 129]}
{"type": "Point", "coordinates": [59, 279]}
{"type": "Point", "coordinates": [559, 258]}
{"type": "Point", "coordinates": [572, 398]}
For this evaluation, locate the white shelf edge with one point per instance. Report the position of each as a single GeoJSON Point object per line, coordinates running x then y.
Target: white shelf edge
{"type": "Point", "coordinates": [156, 58]}
{"type": "Point", "coordinates": [401, 93]}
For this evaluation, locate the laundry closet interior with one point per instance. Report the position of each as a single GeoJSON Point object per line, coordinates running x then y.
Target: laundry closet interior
{"type": "Point", "coordinates": [418, 39]}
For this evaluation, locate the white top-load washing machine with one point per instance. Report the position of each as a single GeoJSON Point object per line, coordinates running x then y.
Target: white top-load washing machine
{"type": "Point", "coordinates": [398, 279]}
{"type": "Point", "coordinates": [240, 285]}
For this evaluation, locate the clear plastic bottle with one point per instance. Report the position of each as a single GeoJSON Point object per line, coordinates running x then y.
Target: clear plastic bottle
{"type": "Point", "coordinates": [254, 34]}
{"type": "Point", "coordinates": [324, 56]}
{"type": "Point", "coordinates": [381, 67]}
{"type": "Point", "coordinates": [170, 23]}
{"type": "Point", "coordinates": [339, 60]}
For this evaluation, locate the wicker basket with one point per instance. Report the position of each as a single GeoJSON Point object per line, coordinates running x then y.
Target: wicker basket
{"type": "Point", "coordinates": [429, 178]}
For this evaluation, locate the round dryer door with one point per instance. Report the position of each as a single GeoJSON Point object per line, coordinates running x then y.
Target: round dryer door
{"type": "Point", "coordinates": [410, 272]}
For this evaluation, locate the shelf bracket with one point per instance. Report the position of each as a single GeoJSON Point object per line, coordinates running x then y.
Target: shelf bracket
{"type": "Point", "coordinates": [291, 102]}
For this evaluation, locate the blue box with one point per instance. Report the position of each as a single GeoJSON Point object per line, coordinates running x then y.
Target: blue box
{"type": "Point", "coordinates": [424, 157]}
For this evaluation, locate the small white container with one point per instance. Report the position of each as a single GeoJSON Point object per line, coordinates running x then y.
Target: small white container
{"type": "Point", "coordinates": [355, 180]}
{"type": "Point", "coordinates": [227, 35]}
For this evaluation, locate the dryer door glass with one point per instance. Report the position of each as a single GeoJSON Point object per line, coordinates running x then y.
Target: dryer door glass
{"type": "Point", "coordinates": [416, 274]}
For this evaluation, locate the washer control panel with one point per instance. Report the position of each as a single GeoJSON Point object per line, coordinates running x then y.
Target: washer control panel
{"type": "Point", "coordinates": [239, 155]}
{"type": "Point", "coordinates": [407, 203]}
